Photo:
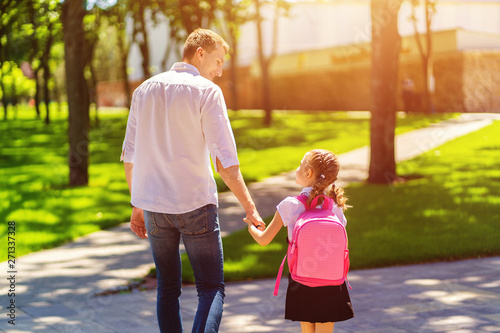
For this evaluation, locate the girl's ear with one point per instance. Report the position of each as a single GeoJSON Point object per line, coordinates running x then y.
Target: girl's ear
{"type": "Point", "coordinates": [309, 173]}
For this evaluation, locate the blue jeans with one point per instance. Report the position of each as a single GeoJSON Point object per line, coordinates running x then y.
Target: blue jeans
{"type": "Point", "coordinates": [200, 233]}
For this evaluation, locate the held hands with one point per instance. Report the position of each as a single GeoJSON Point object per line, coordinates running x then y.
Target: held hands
{"type": "Point", "coordinates": [137, 224]}
{"type": "Point", "coordinates": [254, 218]}
{"type": "Point", "coordinates": [261, 226]}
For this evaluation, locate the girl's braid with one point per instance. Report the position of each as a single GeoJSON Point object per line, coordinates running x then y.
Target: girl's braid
{"type": "Point", "coordinates": [326, 167]}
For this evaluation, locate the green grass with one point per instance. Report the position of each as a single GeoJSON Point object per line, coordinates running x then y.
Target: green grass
{"type": "Point", "coordinates": [449, 209]}
{"type": "Point", "coordinates": [34, 177]}
{"type": "Point", "coordinates": [34, 171]}
{"type": "Point", "coordinates": [264, 152]}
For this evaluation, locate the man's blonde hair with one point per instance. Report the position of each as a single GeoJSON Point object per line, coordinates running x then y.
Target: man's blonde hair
{"type": "Point", "coordinates": [204, 38]}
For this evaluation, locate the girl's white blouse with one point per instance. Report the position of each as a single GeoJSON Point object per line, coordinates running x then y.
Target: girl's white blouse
{"type": "Point", "coordinates": [290, 209]}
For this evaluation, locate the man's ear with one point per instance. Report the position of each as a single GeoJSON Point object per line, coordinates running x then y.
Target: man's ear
{"type": "Point", "coordinates": [200, 52]}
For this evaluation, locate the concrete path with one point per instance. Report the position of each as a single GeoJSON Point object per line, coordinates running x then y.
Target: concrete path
{"type": "Point", "coordinates": [54, 289]}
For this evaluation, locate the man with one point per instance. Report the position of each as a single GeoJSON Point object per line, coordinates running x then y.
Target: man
{"type": "Point", "coordinates": [177, 120]}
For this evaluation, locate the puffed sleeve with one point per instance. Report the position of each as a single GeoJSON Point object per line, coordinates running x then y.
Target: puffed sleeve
{"type": "Point", "coordinates": [340, 214]}
{"type": "Point", "coordinates": [290, 209]}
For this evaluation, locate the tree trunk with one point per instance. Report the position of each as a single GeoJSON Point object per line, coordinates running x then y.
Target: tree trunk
{"type": "Point", "coordinates": [46, 94]}
{"type": "Point", "coordinates": [143, 42]}
{"type": "Point", "coordinates": [56, 95]}
{"type": "Point", "coordinates": [46, 73]}
{"type": "Point", "coordinates": [37, 94]}
{"type": "Point", "coordinates": [429, 63]}
{"type": "Point", "coordinates": [33, 53]}
{"type": "Point", "coordinates": [234, 69]}
{"type": "Point", "coordinates": [2, 87]}
{"type": "Point", "coordinates": [124, 49]}
{"type": "Point", "coordinates": [264, 66]}
{"type": "Point", "coordinates": [93, 97]}
{"type": "Point", "coordinates": [266, 93]}
{"type": "Point", "coordinates": [386, 45]}
{"type": "Point", "coordinates": [73, 12]}
{"type": "Point", "coordinates": [14, 98]}
{"type": "Point", "coordinates": [426, 56]}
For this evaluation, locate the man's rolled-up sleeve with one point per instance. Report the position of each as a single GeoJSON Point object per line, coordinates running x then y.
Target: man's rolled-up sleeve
{"type": "Point", "coordinates": [217, 129]}
{"type": "Point", "coordinates": [128, 148]}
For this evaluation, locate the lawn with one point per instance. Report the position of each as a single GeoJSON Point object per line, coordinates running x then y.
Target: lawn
{"type": "Point", "coordinates": [34, 178]}
{"type": "Point", "coordinates": [34, 171]}
{"type": "Point", "coordinates": [448, 209]}
{"type": "Point", "coordinates": [293, 133]}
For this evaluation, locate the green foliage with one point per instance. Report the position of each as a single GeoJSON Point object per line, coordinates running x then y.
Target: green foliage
{"type": "Point", "coordinates": [448, 209]}
{"type": "Point", "coordinates": [14, 80]}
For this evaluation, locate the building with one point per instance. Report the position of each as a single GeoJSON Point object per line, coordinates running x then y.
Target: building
{"type": "Point", "coordinates": [466, 71]}
{"type": "Point", "coordinates": [336, 34]}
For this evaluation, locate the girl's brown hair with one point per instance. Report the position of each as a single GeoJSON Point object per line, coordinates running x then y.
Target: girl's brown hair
{"type": "Point", "coordinates": [325, 166]}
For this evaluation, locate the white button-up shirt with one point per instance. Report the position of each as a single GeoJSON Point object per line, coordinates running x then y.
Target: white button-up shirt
{"type": "Point", "coordinates": [177, 120]}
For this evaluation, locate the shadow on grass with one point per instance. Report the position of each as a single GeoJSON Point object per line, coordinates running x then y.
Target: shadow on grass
{"type": "Point", "coordinates": [288, 129]}
{"type": "Point", "coordinates": [34, 183]}
{"type": "Point", "coordinates": [451, 213]}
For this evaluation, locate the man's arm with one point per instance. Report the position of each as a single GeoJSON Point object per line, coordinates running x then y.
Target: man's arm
{"type": "Point", "coordinates": [234, 180]}
{"type": "Point", "coordinates": [137, 219]}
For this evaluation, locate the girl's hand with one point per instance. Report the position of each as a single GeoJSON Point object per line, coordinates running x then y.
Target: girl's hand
{"type": "Point", "coordinates": [264, 235]}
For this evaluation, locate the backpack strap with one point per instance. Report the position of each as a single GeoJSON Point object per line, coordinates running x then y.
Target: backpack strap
{"type": "Point", "coordinates": [327, 203]}
{"type": "Point", "coordinates": [303, 198]}
{"type": "Point", "coordinates": [278, 278]}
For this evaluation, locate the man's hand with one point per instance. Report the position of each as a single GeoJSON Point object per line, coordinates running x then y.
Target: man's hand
{"type": "Point", "coordinates": [137, 224]}
{"type": "Point", "coordinates": [256, 220]}
{"type": "Point", "coordinates": [234, 180]}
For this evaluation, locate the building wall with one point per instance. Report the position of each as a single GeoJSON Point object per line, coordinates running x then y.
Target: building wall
{"type": "Point", "coordinates": [481, 87]}
{"type": "Point", "coordinates": [449, 74]}
{"type": "Point", "coordinates": [339, 78]}
{"type": "Point", "coordinates": [467, 81]}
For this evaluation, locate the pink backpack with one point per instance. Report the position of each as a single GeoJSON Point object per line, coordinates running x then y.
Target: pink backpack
{"type": "Point", "coordinates": [317, 253]}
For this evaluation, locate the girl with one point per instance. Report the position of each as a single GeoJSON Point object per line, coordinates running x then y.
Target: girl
{"type": "Point", "coordinates": [317, 308]}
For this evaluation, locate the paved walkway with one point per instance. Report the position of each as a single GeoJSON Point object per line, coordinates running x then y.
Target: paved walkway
{"type": "Point", "coordinates": [54, 288]}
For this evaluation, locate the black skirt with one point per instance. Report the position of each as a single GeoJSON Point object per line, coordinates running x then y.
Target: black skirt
{"type": "Point", "coordinates": [317, 304]}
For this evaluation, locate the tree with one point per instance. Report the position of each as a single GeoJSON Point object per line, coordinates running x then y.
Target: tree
{"type": "Point", "coordinates": [235, 15]}
{"type": "Point", "coordinates": [16, 86]}
{"type": "Point", "coordinates": [116, 18]}
{"type": "Point", "coordinates": [265, 61]}
{"type": "Point", "coordinates": [195, 14]}
{"type": "Point", "coordinates": [33, 10]}
{"type": "Point", "coordinates": [53, 29]}
{"type": "Point", "coordinates": [386, 45]}
{"type": "Point", "coordinates": [73, 12]}
{"type": "Point", "coordinates": [35, 30]}
{"type": "Point", "coordinates": [138, 10]}
{"type": "Point", "coordinates": [9, 45]}
{"type": "Point", "coordinates": [426, 55]}
{"type": "Point", "coordinates": [92, 27]}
